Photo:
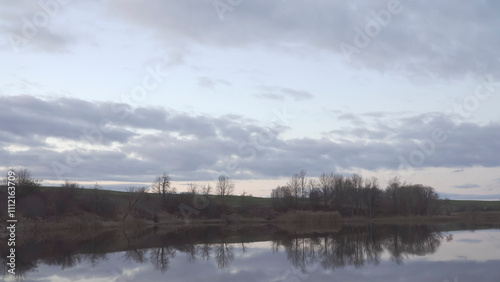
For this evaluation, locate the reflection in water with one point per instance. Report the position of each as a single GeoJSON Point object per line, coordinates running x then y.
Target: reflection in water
{"type": "Point", "coordinates": [352, 246]}
{"type": "Point", "coordinates": [224, 255]}
{"type": "Point", "coordinates": [356, 246]}
{"type": "Point", "coordinates": [160, 257]}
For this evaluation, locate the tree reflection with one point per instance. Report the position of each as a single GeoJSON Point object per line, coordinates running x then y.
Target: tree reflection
{"type": "Point", "coordinates": [224, 255]}
{"type": "Point", "coordinates": [351, 246]}
{"type": "Point", "coordinates": [160, 257]}
{"type": "Point", "coordinates": [133, 253]}
{"type": "Point", "coordinates": [357, 246]}
{"type": "Point", "coordinates": [205, 250]}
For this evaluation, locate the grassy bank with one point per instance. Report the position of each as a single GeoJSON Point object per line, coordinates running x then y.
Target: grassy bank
{"type": "Point", "coordinates": [55, 208]}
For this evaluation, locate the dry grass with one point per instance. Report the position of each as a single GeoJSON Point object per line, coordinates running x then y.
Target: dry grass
{"type": "Point", "coordinates": [80, 224]}
{"type": "Point", "coordinates": [479, 217]}
{"type": "Point", "coordinates": [308, 221]}
{"type": "Point", "coordinates": [401, 219]}
{"type": "Point", "coordinates": [311, 218]}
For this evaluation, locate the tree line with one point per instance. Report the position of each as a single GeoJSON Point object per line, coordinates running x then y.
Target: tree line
{"type": "Point", "coordinates": [354, 195]}
{"type": "Point", "coordinates": [351, 195]}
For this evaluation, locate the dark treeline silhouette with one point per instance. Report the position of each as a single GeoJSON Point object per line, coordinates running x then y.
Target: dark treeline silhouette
{"type": "Point", "coordinates": [350, 195]}
{"type": "Point", "coordinates": [70, 200]}
{"type": "Point", "coordinates": [354, 196]}
{"type": "Point", "coordinates": [351, 246]}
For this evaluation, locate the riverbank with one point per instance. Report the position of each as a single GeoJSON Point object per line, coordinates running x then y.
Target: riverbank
{"type": "Point", "coordinates": [302, 220]}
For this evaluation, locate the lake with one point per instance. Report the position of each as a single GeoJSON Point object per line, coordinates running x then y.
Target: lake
{"type": "Point", "coordinates": [263, 253]}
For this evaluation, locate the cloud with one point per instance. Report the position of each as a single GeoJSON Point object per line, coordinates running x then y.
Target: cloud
{"type": "Point", "coordinates": [351, 118]}
{"type": "Point", "coordinates": [34, 26]}
{"type": "Point", "coordinates": [282, 93]}
{"type": "Point", "coordinates": [207, 82]}
{"type": "Point", "coordinates": [452, 196]}
{"type": "Point", "coordinates": [92, 140]}
{"type": "Point", "coordinates": [449, 41]}
{"type": "Point", "coordinates": [467, 186]}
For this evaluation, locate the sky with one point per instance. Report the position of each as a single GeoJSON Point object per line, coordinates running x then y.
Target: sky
{"type": "Point", "coordinates": [118, 92]}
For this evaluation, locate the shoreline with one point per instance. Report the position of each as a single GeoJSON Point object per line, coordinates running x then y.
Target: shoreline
{"type": "Point", "coordinates": [86, 224]}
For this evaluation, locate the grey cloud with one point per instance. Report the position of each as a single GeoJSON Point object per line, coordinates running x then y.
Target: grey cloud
{"type": "Point", "coordinates": [208, 82]}
{"type": "Point", "coordinates": [150, 140]}
{"type": "Point", "coordinates": [425, 39]}
{"type": "Point", "coordinates": [452, 196]}
{"type": "Point", "coordinates": [281, 93]}
{"type": "Point", "coordinates": [297, 95]}
{"type": "Point", "coordinates": [271, 96]}
{"type": "Point", "coordinates": [467, 186]}
{"type": "Point", "coordinates": [33, 118]}
{"type": "Point", "coordinates": [26, 30]}
{"type": "Point", "coordinates": [352, 118]}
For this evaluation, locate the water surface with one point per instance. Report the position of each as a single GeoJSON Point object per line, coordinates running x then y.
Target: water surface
{"type": "Point", "coordinates": [265, 253]}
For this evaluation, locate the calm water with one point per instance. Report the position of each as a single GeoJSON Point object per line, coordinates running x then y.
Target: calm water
{"type": "Point", "coordinates": [376, 253]}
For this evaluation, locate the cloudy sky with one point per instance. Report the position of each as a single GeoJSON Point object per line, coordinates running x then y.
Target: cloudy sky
{"type": "Point", "coordinates": [120, 91]}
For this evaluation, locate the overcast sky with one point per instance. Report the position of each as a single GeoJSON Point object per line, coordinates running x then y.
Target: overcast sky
{"type": "Point", "coordinates": [121, 91]}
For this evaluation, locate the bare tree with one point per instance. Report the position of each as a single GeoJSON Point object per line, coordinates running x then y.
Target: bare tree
{"type": "Point", "coordinates": [294, 185]}
{"type": "Point", "coordinates": [356, 185]}
{"type": "Point", "coordinates": [23, 177]}
{"type": "Point", "coordinates": [161, 185]}
{"type": "Point", "coordinates": [303, 183]}
{"type": "Point", "coordinates": [282, 198]}
{"type": "Point", "coordinates": [192, 188]}
{"type": "Point", "coordinates": [70, 185]}
{"type": "Point", "coordinates": [25, 183]}
{"type": "Point", "coordinates": [311, 184]}
{"type": "Point", "coordinates": [134, 195]}
{"type": "Point", "coordinates": [339, 194]}
{"type": "Point", "coordinates": [371, 193]}
{"type": "Point", "coordinates": [206, 189]}
{"type": "Point", "coordinates": [393, 194]}
{"type": "Point", "coordinates": [224, 187]}
{"type": "Point", "coordinates": [326, 184]}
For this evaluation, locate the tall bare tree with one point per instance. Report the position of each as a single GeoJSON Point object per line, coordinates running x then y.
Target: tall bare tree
{"type": "Point", "coordinates": [192, 189]}
{"type": "Point", "coordinates": [303, 183]}
{"type": "Point", "coordinates": [162, 186]}
{"type": "Point", "coordinates": [356, 191]}
{"type": "Point", "coordinates": [340, 184]}
{"type": "Point", "coordinates": [134, 196]}
{"type": "Point", "coordinates": [294, 185]}
{"type": "Point", "coordinates": [224, 187]}
{"type": "Point", "coordinates": [25, 183]}
{"type": "Point", "coordinates": [393, 194]}
{"type": "Point", "coordinates": [326, 184]}
{"type": "Point", "coordinates": [371, 193]}
{"type": "Point", "coordinates": [206, 189]}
